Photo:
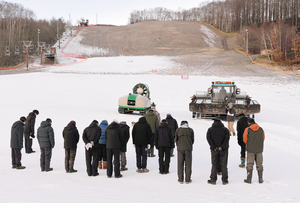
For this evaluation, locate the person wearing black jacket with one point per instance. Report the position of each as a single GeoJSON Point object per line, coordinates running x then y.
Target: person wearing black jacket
{"type": "Point", "coordinates": [113, 146]}
{"type": "Point", "coordinates": [29, 131]}
{"type": "Point", "coordinates": [71, 138]}
{"type": "Point", "coordinates": [218, 140]}
{"type": "Point", "coordinates": [242, 124]}
{"type": "Point", "coordinates": [16, 143]}
{"type": "Point", "coordinates": [172, 123]}
{"type": "Point", "coordinates": [164, 142]}
{"type": "Point", "coordinates": [124, 139]}
{"type": "Point", "coordinates": [141, 137]}
{"type": "Point", "coordinates": [91, 136]}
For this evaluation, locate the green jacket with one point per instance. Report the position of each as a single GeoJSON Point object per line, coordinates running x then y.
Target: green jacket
{"type": "Point", "coordinates": [184, 137]}
{"type": "Point", "coordinates": [45, 135]}
{"type": "Point", "coordinates": [152, 120]}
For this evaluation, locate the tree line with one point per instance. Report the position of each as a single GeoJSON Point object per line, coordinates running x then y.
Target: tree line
{"type": "Point", "coordinates": [18, 24]}
{"type": "Point", "coordinates": [270, 24]}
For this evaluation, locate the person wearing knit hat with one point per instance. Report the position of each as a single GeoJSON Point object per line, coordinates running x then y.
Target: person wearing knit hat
{"type": "Point", "coordinates": [184, 138]}
{"type": "Point", "coordinates": [16, 142]}
{"type": "Point", "coordinates": [29, 131]}
{"type": "Point", "coordinates": [71, 138]}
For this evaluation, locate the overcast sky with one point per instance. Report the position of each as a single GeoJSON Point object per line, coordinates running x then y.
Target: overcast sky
{"type": "Point", "coordinates": [114, 12]}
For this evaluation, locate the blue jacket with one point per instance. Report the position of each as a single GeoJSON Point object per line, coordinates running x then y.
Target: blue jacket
{"type": "Point", "coordinates": [103, 125]}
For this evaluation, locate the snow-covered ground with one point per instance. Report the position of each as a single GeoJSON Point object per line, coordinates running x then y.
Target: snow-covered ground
{"type": "Point", "coordinates": [90, 90]}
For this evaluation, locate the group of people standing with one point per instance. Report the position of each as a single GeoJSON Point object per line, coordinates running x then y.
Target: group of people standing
{"type": "Point", "coordinates": [106, 145]}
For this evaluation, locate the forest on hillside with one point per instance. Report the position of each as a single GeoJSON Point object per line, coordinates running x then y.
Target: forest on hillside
{"type": "Point", "coordinates": [265, 24]}
{"type": "Point", "coordinates": [17, 25]}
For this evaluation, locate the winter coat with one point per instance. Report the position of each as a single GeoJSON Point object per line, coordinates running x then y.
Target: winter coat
{"type": "Point", "coordinates": [152, 120]}
{"type": "Point", "coordinates": [184, 137]}
{"type": "Point", "coordinates": [124, 136]}
{"type": "Point", "coordinates": [30, 122]}
{"type": "Point", "coordinates": [103, 125]}
{"type": "Point", "coordinates": [71, 136]}
{"type": "Point", "coordinates": [230, 118]}
{"type": "Point", "coordinates": [92, 133]}
{"type": "Point", "coordinates": [141, 132]}
{"type": "Point", "coordinates": [254, 137]}
{"type": "Point", "coordinates": [17, 130]}
{"type": "Point", "coordinates": [113, 136]}
{"type": "Point", "coordinates": [172, 124]}
{"type": "Point", "coordinates": [164, 136]}
{"type": "Point", "coordinates": [45, 135]}
{"type": "Point", "coordinates": [218, 136]}
{"type": "Point", "coordinates": [241, 125]}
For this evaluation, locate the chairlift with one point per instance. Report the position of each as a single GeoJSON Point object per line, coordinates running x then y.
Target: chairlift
{"type": "Point", "coordinates": [7, 51]}
{"type": "Point", "coordinates": [17, 51]}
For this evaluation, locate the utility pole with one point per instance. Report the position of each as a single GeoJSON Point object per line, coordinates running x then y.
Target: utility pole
{"type": "Point", "coordinates": [38, 42]}
{"type": "Point", "coordinates": [247, 41]}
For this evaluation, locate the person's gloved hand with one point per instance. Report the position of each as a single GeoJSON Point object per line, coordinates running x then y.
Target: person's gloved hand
{"type": "Point", "coordinates": [32, 135]}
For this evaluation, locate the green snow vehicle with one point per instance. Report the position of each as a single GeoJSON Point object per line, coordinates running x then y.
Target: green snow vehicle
{"type": "Point", "coordinates": [138, 101]}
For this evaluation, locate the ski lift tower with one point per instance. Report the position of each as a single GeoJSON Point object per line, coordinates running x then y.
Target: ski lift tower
{"type": "Point", "coordinates": [41, 44]}
{"type": "Point", "coordinates": [27, 44]}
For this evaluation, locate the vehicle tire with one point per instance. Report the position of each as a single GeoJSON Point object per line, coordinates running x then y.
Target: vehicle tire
{"type": "Point", "coordinates": [121, 111]}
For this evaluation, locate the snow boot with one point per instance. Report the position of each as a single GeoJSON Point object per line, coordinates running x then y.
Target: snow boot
{"type": "Point", "coordinates": [104, 165]}
{"type": "Point", "coordinates": [242, 165]}
{"type": "Point", "coordinates": [72, 170]}
{"type": "Point", "coordinates": [249, 177]}
{"type": "Point", "coordinates": [100, 164]}
{"type": "Point", "coordinates": [260, 178]}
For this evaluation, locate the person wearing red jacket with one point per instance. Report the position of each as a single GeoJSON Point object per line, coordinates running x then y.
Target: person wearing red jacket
{"type": "Point", "coordinates": [254, 137]}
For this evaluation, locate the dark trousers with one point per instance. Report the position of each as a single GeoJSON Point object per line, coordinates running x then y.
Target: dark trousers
{"type": "Point", "coordinates": [164, 159]}
{"type": "Point", "coordinates": [102, 152]}
{"type": "Point", "coordinates": [243, 149]}
{"type": "Point", "coordinates": [92, 159]}
{"type": "Point", "coordinates": [113, 153]}
{"type": "Point", "coordinates": [69, 159]}
{"type": "Point", "coordinates": [46, 154]}
{"type": "Point", "coordinates": [150, 152]}
{"type": "Point", "coordinates": [141, 156]}
{"type": "Point", "coordinates": [184, 161]}
{"type": "Point", "coordinates": [222, 158]}
{"type": "Point", "coordinates": [28, 143]}
{"type": "Point", "coordinates": [16, 156]}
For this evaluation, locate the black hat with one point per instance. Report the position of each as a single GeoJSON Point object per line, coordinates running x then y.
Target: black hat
{"type": "Point", "coordinates": [49, 120]}
{"type": "Point", "coordinates": [184, 122]}
{"type": "Point", "coordinates": [95, 121]}
{"type": "Point", "coordinates": [164, 121]}
{"type": "Point", "coordinates": [23, 119]}
{"type": "Point", "coordinates": [251, 120]}
{"type": "Point", "coordinates": [36, 112]}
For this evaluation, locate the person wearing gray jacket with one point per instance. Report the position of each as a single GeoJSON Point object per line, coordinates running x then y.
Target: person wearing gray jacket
{"type": "Point", "coordinates": [184, 138]}
{"type": "Point", "coordinates": [16, 143]}
{"type": "Point", "coordinates": [45, 136]}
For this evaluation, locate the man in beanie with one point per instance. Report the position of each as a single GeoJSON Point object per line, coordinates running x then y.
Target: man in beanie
{"type": "Point", "coordinates": [91, 136]}
{"type": "Point", "coordinates": [113, 146]}
{"type": "Point", "coordinates": [141, 138]}
{"type": "Point", "coordinates": [45, 136]}
{"type": "Point", "coordinates": [16, 143]}
{"type": "Point", "coordinates": [241, 125]}
{"type": "Point", "coordinates": [184, 138]}
{"type": "Point", "coordinates": [124, 140]}
{"type": "Point", "coordinates": [164, 142]}
{"type": "Point", "coordinates": [29, 131]}
{"type": "Point", "coordinates": [254, 138]}
{"type": "Point", "coordinates": [71, 138]}
{"type": "Point", "coordinates": [218, 139]}
{"type": "Point", "coordinates": [172, 123]}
